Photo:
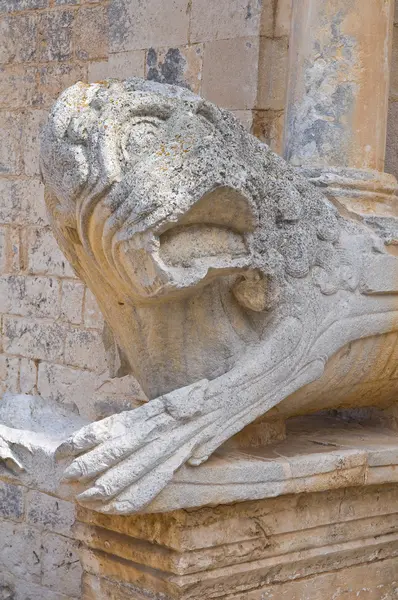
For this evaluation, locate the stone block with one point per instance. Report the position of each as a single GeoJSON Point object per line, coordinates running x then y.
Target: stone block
{"type": "Point", "coordinates": [27, 376]}
{"type": "Point", "coordinates": [391, 165]}
{"type": "Point", "coordinates": [230, 73]}
{"type": "Point", "coordinates": [49, 513]}
{"type": "Point", "coordinates": [44, 255]}
{"type": "Point", "coordinates": [225, 19]}
{"type": "Point", "coordinates": [85, 349]}
{"type": "Point", "coordinates": [11, 501]}
{"type": "Point", "coordinates": [9, 250]}
{"type": "Point", "coordinates": [178, 66]}
{"type": "Point", "coordinates": [22, 202]}
{"type": "Point", "coordinates": [135, 25]}
{"type": "Point", "coordinates": [53, 79]}
{"type": "Point", "coordinates": [18, 39]}
{"type": "Point", "coordinates": [55, 36]}
{"type": "Point", "coordinates": [102, 396]}
{"type": "Point", "coordinates": [120, 65]}
{"type": "Point", "coordinates": [30, 296]}
{"type": "Point", "coordinates": [40, 340]}
{"type": "Point", "coordinates": [16, 5]}
{"type": "Point", "coordinates": [268, 17]}
{"type": "Point", "coordinates": [20, 551]}
{"type": "Point", "coordinates": [109, 590]}
{"type": "Point", "coordinates": [92, 315]}
{"type": "Point", "coordinates": [10, 142]}
{"type": "Point", "coordinates": [62, 571]}
{"type": "Point", "coordinates": [272, 79]}
{"type": "Point", "coordinates": [3, 249]}
{"type": "Point", "coordinates": [18, 589]}
{"type": "Point", "coordinates": [72, 301]}
{"type": "Point", "coordinates": [283, 18]}
{"type": "Point", "coordinates": [17, 86]}
{"type": "Point", "coordinates": [31, 127]}
{"type": "Point", "coordinates": [14, 250]}
{"type": "Point", "coordinates": [245, 117]}
{"type": "Point", "coordinates": [394, 66]}
{"type": "Point", "coordinates": [65, 384]}
{"type": "Point", "coordinates": [9, 373]}
{"type": "Point", "coordinates": [91, 33]}
{"type": "Point", "coordinates": [268, 126]}
{"type": "Point", "coordinates": [374, 581]}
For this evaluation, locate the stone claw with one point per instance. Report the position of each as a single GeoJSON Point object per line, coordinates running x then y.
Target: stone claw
{"type": "Point", "coordinates": [129, 458]}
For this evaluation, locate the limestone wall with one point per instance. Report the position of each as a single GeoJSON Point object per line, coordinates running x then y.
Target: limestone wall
{"type": "Point", "coordinates": [38, 558]}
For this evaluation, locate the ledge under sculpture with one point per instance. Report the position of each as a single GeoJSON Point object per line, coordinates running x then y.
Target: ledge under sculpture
{"type": "Point", "coordinates": [229, 282]}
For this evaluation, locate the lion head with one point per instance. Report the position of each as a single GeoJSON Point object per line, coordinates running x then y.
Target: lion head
{"type": "Point", "coordinates": [165, 192]}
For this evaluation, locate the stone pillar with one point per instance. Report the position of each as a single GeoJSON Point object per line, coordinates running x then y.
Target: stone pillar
{"type": "Point", "coordinates": [337, 100]}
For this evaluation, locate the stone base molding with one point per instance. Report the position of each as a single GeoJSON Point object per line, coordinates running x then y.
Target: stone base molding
{"type": "Point", "coordinates": [340, 544]}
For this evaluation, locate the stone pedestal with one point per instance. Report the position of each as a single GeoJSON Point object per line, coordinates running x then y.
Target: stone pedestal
{"type": "Point", "coordinates": [341, 544]}
{"type": "Point", "coordinates": [335, 535]}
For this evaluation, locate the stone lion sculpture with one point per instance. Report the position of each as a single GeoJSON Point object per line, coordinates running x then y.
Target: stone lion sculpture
{"type": "Point", "coordinates": [227, 279]}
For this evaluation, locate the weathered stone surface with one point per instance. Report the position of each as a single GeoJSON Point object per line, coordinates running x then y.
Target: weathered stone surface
{"type": "Point", "coordinates": [53, 78]}
{"type": "Point", "coordinates": [92, 315]}
{"type": "Point", "coordinates": [27, 376]}
{"type": "Point", "coordinates": [72, 301]}
{"type": "Point", "coordinates": [133, 25]}
{"type": "Point", "coordinates": [20, 551]}
{"type": "Point", "coordinates": [273, 66]}
{"type": "Point", "coordinates": [19, 589]}
{"type": "Point", "coordinates": [394, 67]}
{"type": "Point", "coordinates": [9, 373]}
{"type": "Point", "coordinates": [18, 86]}
{"type": "Point", "coordinates": [32, 124]}
{"type": "Point", "coordinates": [268, 126]}
{"type": "Point", "coordinates": [177, 66]}
{"type": "Point", "coordinates": [119, 65]}
{"type": "Point", "coordinates": [62, 571]}
{"type": "Point", "coordinates": [225, 19]}
{"type": "Point", "coordinates": [55, 36]}
{"type": "Point", "coordinates": [30, 296]}
{"type": "Point", "coordinates": [22, 202]}
{"type": "Point", "coordinates": [91, 33]}
{"type": "Point", "coordinates": [102, 396]}
{"type": "Point", "coordinates": [283, 18]}
{"type": "Point", "coordinates": [43, 254]}
{"type": "Point", "coordinates": [392, 137]}
{"type": "Point", "coordinates": [306, 546]}
{"type": "Point", "coordinates": [11, 501]}
{"type": "Point", "coordinates": [337, 103]}
{"type": "Point", "coordinates": [225, 61]}
{"type": "Point", "coordinates": [49, 513]}
{"type": "Point", "coordinates": [18, 39]}
{"type": "Point", "coordinates": [16, 5]}
{"type": "Point", "coordinates": [36, 339]}
{"type": "Point", "coordinates": [10, 143]}
{"type": "Point", "coordinates": [85, 349]}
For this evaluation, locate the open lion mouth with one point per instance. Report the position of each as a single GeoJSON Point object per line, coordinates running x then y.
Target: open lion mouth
{"type": "Point", "coordinates": [213, 229]}
{"type": "Point", "coordinates": [183, 246]}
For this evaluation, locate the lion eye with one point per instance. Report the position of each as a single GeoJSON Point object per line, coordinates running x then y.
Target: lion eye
{"type": "Point", "coordinates": [140, 136]}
